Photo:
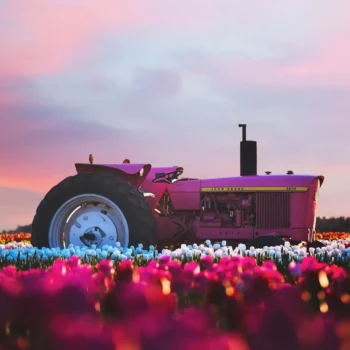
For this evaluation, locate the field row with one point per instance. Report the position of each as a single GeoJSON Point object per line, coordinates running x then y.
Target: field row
{"type": "Point", "coordinates": [26, 237]}
{"type": "Point", "coordinates": [208, 295]}
{"type": "Point", "coordinates": [24, 256]}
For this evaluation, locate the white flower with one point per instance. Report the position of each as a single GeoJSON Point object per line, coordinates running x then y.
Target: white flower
{"type": "Point", "coordinates": [218, 253]}
{"type": "Point", "coordinates": [196, 252]}
{"type": "Point", "coordinates": [189, 254]}
{"type": "Point", "coordinates": [242, 246]}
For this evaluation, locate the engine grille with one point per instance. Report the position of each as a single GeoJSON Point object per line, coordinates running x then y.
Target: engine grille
{"type": "Point", "coordinates": [273, 210]}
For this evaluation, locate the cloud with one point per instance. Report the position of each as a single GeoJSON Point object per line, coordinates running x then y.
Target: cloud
{"type": "Point", "coordinates": [43, 37]}
{"type": "Point", "coordinates": [158, 82]}
{"type": "Point", "coordinates": [39, 145]}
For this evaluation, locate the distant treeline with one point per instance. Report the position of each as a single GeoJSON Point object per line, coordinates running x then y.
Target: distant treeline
{"type": "Point", "coordinates": [332, 224]}
{"type": "Point", "coordinates": [25, 229]}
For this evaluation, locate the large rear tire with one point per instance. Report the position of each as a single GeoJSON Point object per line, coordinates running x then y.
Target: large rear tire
{"type": "Point", "coordinates": [93, 208]}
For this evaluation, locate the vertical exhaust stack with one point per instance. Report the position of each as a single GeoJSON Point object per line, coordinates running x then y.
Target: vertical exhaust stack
{"type": "Point", "coordinates": [248, 154]}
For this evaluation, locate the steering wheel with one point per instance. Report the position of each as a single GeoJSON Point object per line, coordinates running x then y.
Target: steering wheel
{"type": "Point", "coordinates": [167, 177]}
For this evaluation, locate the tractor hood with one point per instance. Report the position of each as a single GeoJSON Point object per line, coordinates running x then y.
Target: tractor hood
{"type": "Point", "coordinates": [264, 181]}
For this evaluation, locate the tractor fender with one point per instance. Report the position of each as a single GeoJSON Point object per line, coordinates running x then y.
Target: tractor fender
{"type": "Point", "coordinates": [134, 174]}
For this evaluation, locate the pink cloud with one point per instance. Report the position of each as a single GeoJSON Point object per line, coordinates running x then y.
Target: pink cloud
{"type": "Point", "coordinates": [330, 66]}
{"type": "Point", "coordinates": [39, 146]}
{"type": "Point", "coordinates": [43, 35]}
{"type": "Point", "coordinates": [325, 63]}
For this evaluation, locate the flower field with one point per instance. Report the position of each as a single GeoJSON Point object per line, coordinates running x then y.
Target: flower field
{"type": "Point", "coordinates": [332, 236]}
{"type": "Point", "coordinates": [16, 237]}
{"type": "Point", "coordinates": [210, 296]}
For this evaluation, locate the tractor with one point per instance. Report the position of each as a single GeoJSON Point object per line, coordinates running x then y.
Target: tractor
{"type": "Point", "coordinates": [136, 203]}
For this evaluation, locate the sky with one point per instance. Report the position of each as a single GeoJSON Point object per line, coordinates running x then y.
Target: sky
{"type": "Point", "coordinates": [167, 82]}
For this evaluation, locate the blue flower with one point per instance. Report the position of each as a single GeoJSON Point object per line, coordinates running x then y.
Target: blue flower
{"type": "Point", "coordinates": [22, 257]}
{"type": "Point", "coordinates": [335, 253]}
{"type": "Point", "coordinates": [6, 252]}
{"type": "Point", "coordinates": [14, 253]}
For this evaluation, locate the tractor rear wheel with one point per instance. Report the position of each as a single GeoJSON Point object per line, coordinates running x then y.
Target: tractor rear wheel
{"type": "Point", "coordinates": [93, 209]}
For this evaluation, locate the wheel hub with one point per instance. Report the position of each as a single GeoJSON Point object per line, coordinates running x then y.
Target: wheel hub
{"type": "Point", "coordinates": [92, 235]}
{"type": "Point", "coordinates": [88, 220]}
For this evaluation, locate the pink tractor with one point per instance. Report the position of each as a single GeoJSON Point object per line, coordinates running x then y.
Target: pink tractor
{"type": "Point", "coordinates": [135, 203]}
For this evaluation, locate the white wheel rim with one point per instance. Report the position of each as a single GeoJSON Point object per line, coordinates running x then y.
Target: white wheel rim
{"type": "Point", "coordinates": [86, 220]}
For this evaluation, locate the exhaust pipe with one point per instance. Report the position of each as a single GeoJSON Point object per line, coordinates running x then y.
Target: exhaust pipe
{"type": "Point", "coordinates": [248, 154]}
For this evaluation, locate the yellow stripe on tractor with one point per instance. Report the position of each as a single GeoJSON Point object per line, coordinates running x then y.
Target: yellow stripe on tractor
{"type": "Point", "coordinates": [255, 189]}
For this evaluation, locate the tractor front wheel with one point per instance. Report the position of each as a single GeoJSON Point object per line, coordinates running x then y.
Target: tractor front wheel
{"type": "Point", "coordinates": [93, 209]}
